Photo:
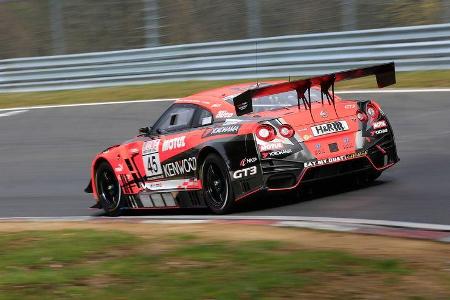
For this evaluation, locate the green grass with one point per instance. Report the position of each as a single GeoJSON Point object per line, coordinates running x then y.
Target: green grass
{"type": "Point", "coordinates": [80, 264]}
{"type": "Point", "coordinates": [180, 89]}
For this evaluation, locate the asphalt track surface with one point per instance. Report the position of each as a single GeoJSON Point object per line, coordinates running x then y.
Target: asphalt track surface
{"type": "Point", "coordinates": [45, 156]}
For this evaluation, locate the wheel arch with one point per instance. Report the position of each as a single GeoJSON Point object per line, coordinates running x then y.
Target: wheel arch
{"type": "Point", "coordinates": [203, 153]}
{"type": "Point", "coordinates": [95, 166]}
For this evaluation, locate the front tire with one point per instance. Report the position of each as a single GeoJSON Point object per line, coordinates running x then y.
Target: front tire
{"type": "Point", "coordinates": [218, 192]}
{"type": "Point", "coordinates": [108, 190]}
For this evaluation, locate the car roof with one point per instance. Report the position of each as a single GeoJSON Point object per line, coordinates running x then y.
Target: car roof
{"type": "Point", "coordinates": [216, 98]}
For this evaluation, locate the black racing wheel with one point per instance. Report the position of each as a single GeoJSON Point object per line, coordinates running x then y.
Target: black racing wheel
{"type": "Point", "coordinates": [217, 188]}
{"type": "Point", "coordinates": [108, 189]}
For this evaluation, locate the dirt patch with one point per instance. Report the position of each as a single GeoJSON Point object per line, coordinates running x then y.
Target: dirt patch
{"type": "Point", "coordinates": [424, 265]}
{"type": "Point", "coordinates": [412, 250]}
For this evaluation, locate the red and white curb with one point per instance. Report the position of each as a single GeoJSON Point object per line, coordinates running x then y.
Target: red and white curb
{"type": "Point", "coordinates": [423, 231]}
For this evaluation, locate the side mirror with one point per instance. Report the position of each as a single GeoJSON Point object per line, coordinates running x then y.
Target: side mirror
{"type": "Point", "coordinates": [144, 130]}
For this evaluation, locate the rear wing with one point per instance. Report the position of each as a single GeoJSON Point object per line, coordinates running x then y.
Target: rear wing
{"type": "Point", "coordinates": [385, 75]}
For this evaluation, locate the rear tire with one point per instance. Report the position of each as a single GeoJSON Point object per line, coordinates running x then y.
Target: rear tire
{"type": "Point", "coordinates": [108, 190]}
{"type": "Point", "coordinates": [217, 189]}
{"type": "Point", "coordinates": [367, 178]}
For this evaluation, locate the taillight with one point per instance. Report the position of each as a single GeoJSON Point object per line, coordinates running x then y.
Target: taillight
{"type": "Point", "coordinates": [373, 111]}
{"type": "Point", "coordinates": [286, 131]}
{"type": "Point", "coordinates": [361, 116]}
{"type": "Point", "coordinates": [265, 132]}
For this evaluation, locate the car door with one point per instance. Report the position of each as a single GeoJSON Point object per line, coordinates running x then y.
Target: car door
{"type": "Point", "coordinates": [170, 151]}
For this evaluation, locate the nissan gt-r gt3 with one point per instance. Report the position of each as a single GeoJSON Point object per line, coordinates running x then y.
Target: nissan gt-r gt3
{"type": "Point", "coordinates": [217, 147]}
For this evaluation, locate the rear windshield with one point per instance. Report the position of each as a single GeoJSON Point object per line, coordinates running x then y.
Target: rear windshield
{"type": "Point", "coordinates": [281, 100]}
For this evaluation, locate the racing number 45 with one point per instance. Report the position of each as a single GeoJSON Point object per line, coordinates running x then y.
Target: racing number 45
{"type": "Point", "coordinates": [153, 165]}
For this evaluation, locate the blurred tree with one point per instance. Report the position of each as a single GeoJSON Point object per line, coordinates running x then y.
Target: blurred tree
{"type": "Point", "coordinates": [24, 29]}
{"type": "Point", "coordinates": [374, 14]}
{"type": "Point", "coordinates": [103, 25]}
{"type": "Point", "coordinates": [26, 26]}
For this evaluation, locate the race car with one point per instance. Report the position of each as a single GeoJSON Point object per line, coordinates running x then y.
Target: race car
{"type": "Point", "coordinates": [218, 147]}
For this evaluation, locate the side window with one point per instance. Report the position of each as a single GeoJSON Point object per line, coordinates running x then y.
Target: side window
{"type": "Point", "coordinates": [203, 118]}
{"type": "Point", "coordinates": [177, 117]}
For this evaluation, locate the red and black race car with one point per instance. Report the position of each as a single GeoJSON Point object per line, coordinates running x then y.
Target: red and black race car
{"type": "Point", "coordinates": [217, 147]}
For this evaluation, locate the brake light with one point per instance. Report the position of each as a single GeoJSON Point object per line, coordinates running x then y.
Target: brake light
{"type": "Point", "coordinates": [373, 111]}
{"type": "Point", "coordinates": [265, 132]}
{"type": "Point", "coordinates": [286, 130]}
{"type": "Point", "coordinates": [361, 116]}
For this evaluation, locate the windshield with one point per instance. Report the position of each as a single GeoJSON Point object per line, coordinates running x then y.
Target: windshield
{"type": "Point", "coordinates": [281, 100]}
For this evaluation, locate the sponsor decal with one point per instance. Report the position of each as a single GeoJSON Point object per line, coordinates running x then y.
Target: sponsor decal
{"type": "Point", "coordinates": [216, 105]}
{"type": "Point", "coordinates": [154, 185]}
{"type": "Point", "coordinates": [380, 131]}
{"type": "Point", "coordinates": [242, 106]}
{"type": "Point", "coordinates": [280, 152]}
{"type": "Point", "coordinates": [180, 167]}
{"type": "Point", "coordinates": [328, 128]}
{"type": "Point", "coordinates": [175, 143]}
{"type": "Point", "coordinates": [331, 160]}
{"type": "Point", "coordinates": [245, 172]}
{"type": "Point", "coordinates": [206, 120]}
{"type": "Point", "coordinates": [119, 168]}
{"type": "Point", "coordinates": [270, 146]}
{"type": "Point", "coordinates": [350, 106]}
{"type": "Point", "coordinates": [223, 114]}
{"type": "Point", "coordinates": [347, 143]}
{"type": "Point", "coordinates": [247, 161]}
{"type": "Point", "coordinates": [150, 158]}
{"type": "Point", "coordinates": [229, 129]}
{"type": "Point", "coordinates": [150, 146]}
{"type": "Point", "coordinates": [324, 114]}
{"type": "Point", "coordinates": [379, 124]}
{"type": "Point", "coordinates": [306, 137]}
{"type": "Point", "coordinates": [318, 150]}
{"type": "Point", "coordinates": [231, 121]}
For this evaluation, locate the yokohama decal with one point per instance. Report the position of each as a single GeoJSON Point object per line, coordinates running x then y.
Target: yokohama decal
{"type": "Point", "coordinates": [230, 129]}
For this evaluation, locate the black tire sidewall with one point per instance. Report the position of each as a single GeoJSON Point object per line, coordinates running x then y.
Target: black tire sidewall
{"type": "Point", "coordinates": [229, 202]}
{"type": "Point", "coordinates": [114, 212]}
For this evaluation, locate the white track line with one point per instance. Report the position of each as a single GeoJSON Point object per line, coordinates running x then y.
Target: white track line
{"type": "Point", "coordinates": [325, 220]}
{"type": "Point", "coordinates": [87, 104]}
{"type": "Point", "coordinates": [369, 91]}
{"type": "Point", "coordinates": [11, 113]}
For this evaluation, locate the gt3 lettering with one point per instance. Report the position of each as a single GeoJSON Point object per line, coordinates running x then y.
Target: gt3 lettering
{"type": "Point", "coordinates": [245, 172]}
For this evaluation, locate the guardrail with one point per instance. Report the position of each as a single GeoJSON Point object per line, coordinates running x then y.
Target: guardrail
{"type": "Point", "coordinates": [412, 48]}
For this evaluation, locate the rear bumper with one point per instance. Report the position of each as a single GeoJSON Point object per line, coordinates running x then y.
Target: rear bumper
{"type": "Point", "coordinates": [281, 174]}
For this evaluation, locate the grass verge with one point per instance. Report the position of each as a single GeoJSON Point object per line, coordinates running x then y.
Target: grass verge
{"type": "Point", "coordinates": [421, 79]}
{"type": "Point", "coordinates": [111, 264]}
